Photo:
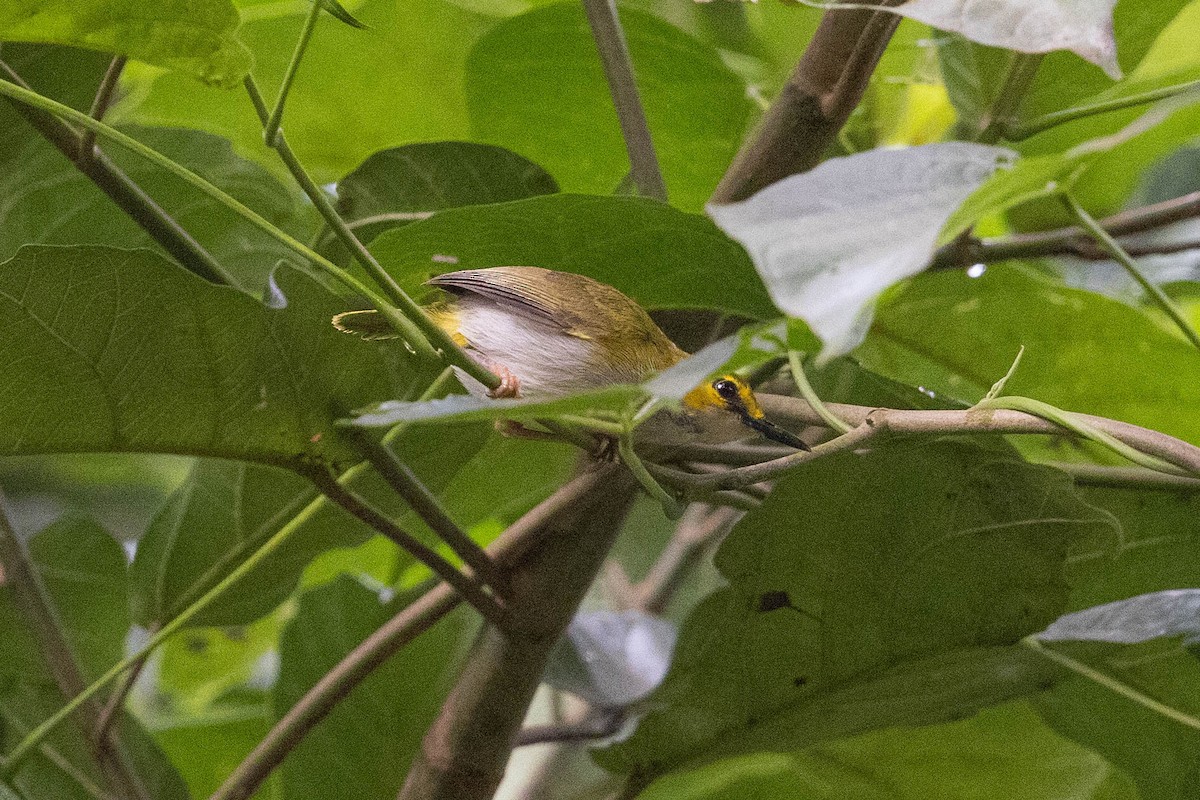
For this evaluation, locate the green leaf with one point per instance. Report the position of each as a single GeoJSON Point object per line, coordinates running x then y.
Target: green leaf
{"type": "Point", "coordinates": [1121, 730]}
{"type": "Point", "coordinates": [194, 37]}
{"type": "Point", "coordinates": [401, 184]}
{"type": "Point", "coordinates": [385, 717]}
{"type": "Point", "coordinates": [200, 669]}
{"type": "Point", "coordinates": [1028, 26]}
{"type": "Point", "coordinates": [829, 241]}
{"type": "Point", "coordinates": [956, 335]}
{"type": "Point", "coordinates": [404, 84]}
{"type": "Point", "coordinates": [83, 569]}
{"type": "Point", "coordinates": [535, 85]}
{"type": "Point", "coordinates": [661, 257]}
{"type": "Point", "coordinates": [867, 592]}
{"type": "Point", "coordinates": [208, 750]}
{"type": "Point", "coordinates": [119, 350]}
{"type": "Point", "coordinates": [226, 511]}
{"type": "Point", "coordinates": [434, 176]}
{"type": "Point", "coordinates": [51, 202]}
{"type": "Point", "coordinates": [1157, 552]}
{"type": "Point", "coordinates": [1002, 753]}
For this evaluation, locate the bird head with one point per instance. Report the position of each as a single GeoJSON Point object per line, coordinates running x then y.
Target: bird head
{"type": "Point", "coordinates": [730, 397]}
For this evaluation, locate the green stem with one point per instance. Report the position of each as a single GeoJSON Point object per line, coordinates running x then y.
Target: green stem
{"type": "Point", "coordinates": [1110, 245]}
{"type": "Point", "coordinates": [796, 361]}
{"type": "Point", "coordinates": [631, 460]}
{"type": "Point", "coordinates": [1021, 70]}
{"type": "Point", "coordinates": [429, 330]}
{"type": "Point", "coordinates": [1111, 683]}
{"type": "Point", "coordinates": [1017, 131]}
{"type": "Point", "coordinates": [399, 321]}
{"type": "Point", "coordinates": [271, 127]}
{"type": "Point", "coordinates": [1069, 421]}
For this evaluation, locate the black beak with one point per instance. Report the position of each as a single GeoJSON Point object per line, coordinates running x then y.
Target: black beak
{"type": "Point", "coordinates": [775, 433]}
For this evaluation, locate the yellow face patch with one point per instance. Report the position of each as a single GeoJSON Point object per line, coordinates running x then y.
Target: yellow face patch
{"type": "Point", "coordinates": [728, 392]}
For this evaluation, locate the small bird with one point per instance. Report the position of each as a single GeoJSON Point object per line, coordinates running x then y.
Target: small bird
{"type": "Point", "coordinates": [546, 334]}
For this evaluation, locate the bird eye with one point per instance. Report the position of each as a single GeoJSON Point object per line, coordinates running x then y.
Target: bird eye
{"type": "Point", "coordinates": [727, 389]}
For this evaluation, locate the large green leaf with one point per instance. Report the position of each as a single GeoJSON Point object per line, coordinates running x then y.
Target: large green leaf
{"type": "Point", "coordinates": [661, 257]}
{"type": "Point", "coordinates": [1083, 352]}
{"type": "Point", "coordinates": [48, 201]}
{"type": "Point", "coordinates": [384, 718]}
{"type": "Point", "coordinates": [1002, 753]}
{"type": "Point", "coordinates": [356, 93]}
{"type": "Point", "coordinates": [417, 179]}
{"type": "Point", "coordinates": [119, 350]}
{"type": "Point", "coordinates": [867, 592]}
{"type": "Point", "coordinates": [67, 74]}
{"type": "Point", "coordinates": [194, 37]}
{"type": "Point", "coordinates": [535, 85]}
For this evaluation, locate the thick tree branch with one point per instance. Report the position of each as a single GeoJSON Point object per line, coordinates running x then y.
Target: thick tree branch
{"type": "Point", "coordinates": [814, 104]}
{"type": "Point", "coordinates": [465, 752]}
{"type": "Point", "coordinates": [1073, 240]}
{"type": "Point", "coordinates": [513, 545]}
{"type": "Point", "coordinates": [127, 195]}
{"type": "Point", "coordinates": [38, 610]}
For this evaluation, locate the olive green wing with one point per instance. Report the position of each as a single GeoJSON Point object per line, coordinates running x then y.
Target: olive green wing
{"type": "Point", "coordinates": [562, 299]}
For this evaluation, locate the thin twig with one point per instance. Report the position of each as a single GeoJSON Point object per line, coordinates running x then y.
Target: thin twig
{"type": "Point", "coordinates": [696, 530]}
{"type": "Point", "coordinates": [1016, 130]}
{"type": "Point", "coordinates": [127, 195]}
{"type": "Point", "coordinates": [508, 549]}
{"type": "Point", "coordinates": [1074, 240]}
{"type": "Point", "coordinates": [416, 321]}
{"type": "Point", "coordinates": [618, 70]}
{"type": "Point", "coordinates": [1109, 245]}
{"type": "Point", "coordinates": [406, 484]}
{"type": "Point", "coordinates": [467, 586]}
{"type": "Point", "coordinates": [1125, 477]}
{"type": "Point", "coordinates": [116, 700]}
{"type": "Point", "coordinates": [597, 724]}
{"type": "Point", "coordinates": [100, 104]}
{"type": "Point", "coordinates": [1022, 68]}
{"type": "Point", "coordinates": [271, 125]}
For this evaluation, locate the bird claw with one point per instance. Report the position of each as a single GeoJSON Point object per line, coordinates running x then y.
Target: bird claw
{"type": "Point", "coordinates": [509, 386]}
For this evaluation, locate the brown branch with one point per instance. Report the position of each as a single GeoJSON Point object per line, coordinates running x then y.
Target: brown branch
{"type": "Point", "coordinates": [120, 188]}
{"type": "Point", "coordinates": [508, 549]}
{"type": "Point", "coordinates": [826, 86]}
{"type": "Point", "coordinates": [870, 423]}
{"type": "Point", "coordinates": [464, 754]}
{"type": "Point", "coordinates": [1073, 240]}
{"type": "Point", "coordinates": [699, 527]}
{"type": "Point", "coordinates": [405, 483]}
{"type": "Point", "coordinates": [464, 584]}
{"type": "Point", "coordinates": [103, 99]}
{"type": "Point", "coordinates": [618, 70]}
{"type": "Point", "coordinates": [37, 609]}
{"type": "Point", "coordinates": [595, 724]}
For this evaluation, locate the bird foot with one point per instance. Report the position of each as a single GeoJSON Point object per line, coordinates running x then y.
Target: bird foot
{"type": "Point", "coordinates": [509, 386]}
